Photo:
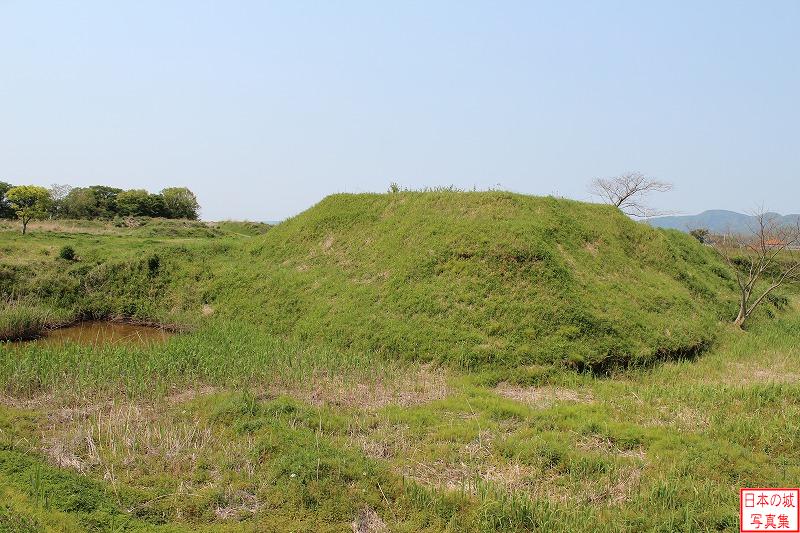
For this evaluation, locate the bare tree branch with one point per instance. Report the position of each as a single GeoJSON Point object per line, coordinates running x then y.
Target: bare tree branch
{"type": "Point", "coordinates": [628, 192]}
{"type": "Point", "coordinates": [761, 251]}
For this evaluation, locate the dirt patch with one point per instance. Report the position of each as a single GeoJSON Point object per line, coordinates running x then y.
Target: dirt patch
{"type": "Point", "coordinates": [596, 443]}
{"type": "Point", "coordinates": [778, 373]}
{"type": "Point", "coordinates": [187, 395]}
{"type": "Point", "coordinates": [96, 437]}
{"type": "Point", "coordinates": [368, 521]}
{"type": "Point", "coordinates": [239, 505]}
{"type": "Point", "coordinates": [542, 397]}
{"type": "Point", "coordinates": [62, 453]}
{"type": "Point", "coordinates": [463, 468]}
{"type": "Point", "coordinates": [591, 247]}
{"type": "Point", "coordinates": [424, 384]}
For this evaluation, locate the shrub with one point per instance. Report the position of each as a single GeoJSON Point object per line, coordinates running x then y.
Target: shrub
{"type": "Point", "coordinates": [153, 263]}
{"type": "Point", "coordinates": [67, 253]}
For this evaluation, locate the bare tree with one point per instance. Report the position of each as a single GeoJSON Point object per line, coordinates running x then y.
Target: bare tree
{"type": "Point", "coordinates": [628, 192]}
{"type": "Point", "coordinates": [770, 250]}
{"type": "Point", "coordinates": [57, 195]}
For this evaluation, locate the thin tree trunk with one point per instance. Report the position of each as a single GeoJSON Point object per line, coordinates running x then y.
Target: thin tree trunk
{"type": "Point", "coordinates": [742, 316]}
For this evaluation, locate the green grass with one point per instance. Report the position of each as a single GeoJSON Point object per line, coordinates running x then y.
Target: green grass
{"type": "Point", "coordinates": [247, 228]}
{"type": "Point", "coordinates": [484, 279]}
{"type": "Point", "coordinates": [663, 448]}
{"type": "Point", "coordinates": [475, 280]}
{"type": "Point", "coordinates": [421, 360]}
{"type": "Point", "coordinates": [23, 321]}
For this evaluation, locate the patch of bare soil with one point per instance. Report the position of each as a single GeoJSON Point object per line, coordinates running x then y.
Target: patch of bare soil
{"type": "Point", "coordinates": [238, 505]}
{"type": "Point", "coordinates": [591, 247]}
{"type": "Point", "coordinates": [424, 384]}
{"type": "Point", "coordinates": [778, 373]}
{"type": "Point", "coordinates": [594, 443]}
{"type": "Point", "coordinates": [98, 436]}
{"type": "Point", "coordinates": [542, 397]}
{"type": "Point", "coordinates": [186, 395]}
{"type": "Point", "coordinates": [368, 521]}
{"type": "Point", "coordinates": [466, 467]}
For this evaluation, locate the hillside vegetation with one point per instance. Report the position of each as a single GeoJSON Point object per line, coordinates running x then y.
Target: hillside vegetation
{"type": "Point", "coordinates": [472, 279]}
{"type": "Point", "coordinates": [147, 270]}
{"type": "Point", "coordinates": [301, 397]}
{"type": "Point", "coordinates": [482, 279]}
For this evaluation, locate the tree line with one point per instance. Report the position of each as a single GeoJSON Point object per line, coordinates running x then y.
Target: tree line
{"type": "Point", "coordinates": [30, 202]}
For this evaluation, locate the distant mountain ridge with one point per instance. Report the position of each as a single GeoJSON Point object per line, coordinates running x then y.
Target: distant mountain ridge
{"type": "Point", "coordinates": [718, 221]}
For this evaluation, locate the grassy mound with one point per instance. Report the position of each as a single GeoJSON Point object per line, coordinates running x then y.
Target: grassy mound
{"type": "Point", "coordinates": [481, 278]}
{"type": "Point", "coordinates": [273, 414]}
{"type": "Point", "coordinates": [489, 279]}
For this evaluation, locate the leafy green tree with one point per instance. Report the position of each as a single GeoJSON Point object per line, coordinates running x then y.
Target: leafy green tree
{"type": "Point", "coordinates": [181, 203]}
{"type": "Point", "coordinates": [79, 203]}
{"type": "Point", "coordinates": [138, 202]}
{"type": "Point", "coordinates": [5, 206]}
{"type": "Point", "coordinates": [156, 206]}
{"type": "Point", "coordinates": [100, 201]}
{"type": "Point", "coordinates": [29, 202]}
{"type": "Point", "coordinates": [133, 203]}
{"type": "Point", "coordinates": [105, 200]}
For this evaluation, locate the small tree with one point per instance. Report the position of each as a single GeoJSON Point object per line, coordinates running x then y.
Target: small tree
{"type": "Point", "coordinates": [180, 203]}
{"type": "Point", "coordinates": [701, 234]}
{"type": "Point", "coordinates": [29, 202]}
{"type": "Point", "coordinates": [628, 192]}
{"type": "Point", "coordinates": [155, 206]}
{"type": "Point", "coordinates": [67, 253]}
{"type": "Point", "coordinates": [133, 203]}
{"type": "Point", "coordinates": [768, 250]}
{"type": "Point", "coordinates": [80, 202]}
{"type": "Point", "coordinates": [105, 200]}
{"type": "Point", "coordinates": [57, 195]}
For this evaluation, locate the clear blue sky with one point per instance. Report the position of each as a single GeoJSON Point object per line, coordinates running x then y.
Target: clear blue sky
{"type": "Point", "coordinates": [263, 108]}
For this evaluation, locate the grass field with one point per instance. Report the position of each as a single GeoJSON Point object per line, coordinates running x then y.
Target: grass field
{"type": "Point", "coordinates": [409, 362]}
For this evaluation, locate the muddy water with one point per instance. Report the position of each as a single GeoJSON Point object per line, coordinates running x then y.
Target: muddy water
{"type": "Point", "coordinates": [102, 333]}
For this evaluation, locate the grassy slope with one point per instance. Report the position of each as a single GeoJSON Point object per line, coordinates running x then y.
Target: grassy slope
{"type": "Point", "coordinates": [473, 279]}
{"type": "Point", "coordinates": [155, 271]}
{"type": "Point", "coordinates": [665, 448]}
{"type": "Point", "coordinates": [482, 278]}
{"type": "Point", "coordinates": [236, 428]}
